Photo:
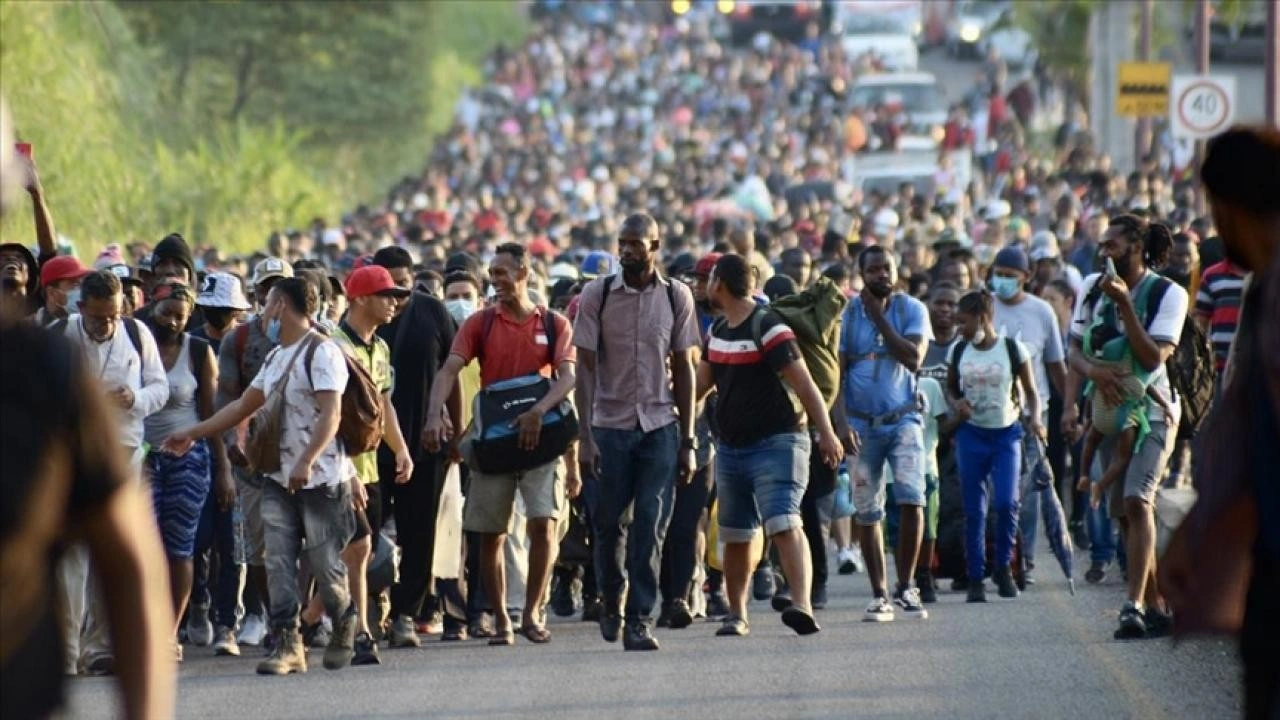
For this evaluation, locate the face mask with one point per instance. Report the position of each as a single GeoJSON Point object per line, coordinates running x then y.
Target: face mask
{"type": "Point", "coordinates": [1005, 288]}
{"type": "Point", "coordinates": [273, 331]}
{"type": "Point", "coordinates": [460, 309]}
{"type": "Point", "coordinates": [73, 300]}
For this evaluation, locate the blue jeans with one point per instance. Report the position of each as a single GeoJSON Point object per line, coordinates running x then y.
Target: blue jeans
{"type": "Point", "coordinates": [1103, 541]}
{"type": "Point", "coordinates": [764, 481]}
{"type": "Point", "coordinates": [994, 453]}
{"type": "Point", "coordinates": [216, 537]}
{"type": "Point", "coordinates": [901, 447]}
{"type": "Point", "coordinates": [633, 508]}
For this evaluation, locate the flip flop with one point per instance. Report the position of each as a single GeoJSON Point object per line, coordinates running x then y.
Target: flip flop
{"type": "Point", "coordinates": [503, 637]}
{"type": "Point", "coordinates": [800, 621]}
{"type": "Point", "coordinates": [536, 634]}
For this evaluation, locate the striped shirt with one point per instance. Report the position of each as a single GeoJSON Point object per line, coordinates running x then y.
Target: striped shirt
{"type": "Point", "coordinates": [753, 403]}
{"type": "Point", "coordinates": [1218, 303]}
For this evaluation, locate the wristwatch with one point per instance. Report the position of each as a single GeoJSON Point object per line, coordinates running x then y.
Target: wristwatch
{"type": "Point", "coordinates": [690, 443]}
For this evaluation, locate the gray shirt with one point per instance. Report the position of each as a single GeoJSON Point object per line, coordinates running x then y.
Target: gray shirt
{"type": "Point", "coordinates": [632, 339]}
{"type": "Point", "coordinates": [1033, 323]}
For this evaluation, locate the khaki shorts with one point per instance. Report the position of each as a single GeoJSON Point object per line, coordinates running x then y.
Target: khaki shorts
{"type": "Point", "coordinates": [491, 498]}
{"type": "Point", "coordinates": [1146, 468]}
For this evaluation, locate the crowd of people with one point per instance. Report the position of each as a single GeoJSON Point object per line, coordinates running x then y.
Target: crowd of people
{"type": "Point", "coordinates": [598, 361]}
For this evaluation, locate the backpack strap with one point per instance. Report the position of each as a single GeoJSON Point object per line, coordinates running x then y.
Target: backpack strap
{"type": "Point", "coordinates": [315, 341]}
{"type": "Point", "coordinates": [197, 356]}
{"type": "Point", "coordinates": [1154, 296]}
{"type": "Point", "coordinates": [604, 298]}
{"type": "Point", "coordinates": [953, 373]}
{"type": "Point", "coordinates": [757, 327]}
{"type": "Point", "coordinates": [549, 329]}
{"type": "Point", "coordinates": [135, 337]}
{"type": "Point", "coordinates": [241, 341]}
{"type": "Point", "coordinates": [1010, 346]}
{"type": "Point", "coordinates": [490, 315]}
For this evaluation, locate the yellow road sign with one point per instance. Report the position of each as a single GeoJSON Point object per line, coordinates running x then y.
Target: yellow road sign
{"type": "Point", "coordinates": [1142, 89]}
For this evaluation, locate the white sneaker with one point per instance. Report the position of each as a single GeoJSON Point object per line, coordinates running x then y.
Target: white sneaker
{"type": "Point", "coordinates": [880, 610]}
{"type": "Point", "coordinates": [252, 630]}
{"type": "Point", "coordinates": [859, 564]}
{"type": "Point", "coordinates": [909, 602]}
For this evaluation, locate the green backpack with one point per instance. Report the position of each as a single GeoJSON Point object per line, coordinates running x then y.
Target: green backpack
{"type": "Point", "coordinates": [814, 316]}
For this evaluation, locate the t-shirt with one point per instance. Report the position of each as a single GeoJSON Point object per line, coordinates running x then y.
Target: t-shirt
{"type": "Point", "coordinates": [933, 406]}
{"type": "Point", "coordinates": [376, 358]}
{"type": "Point", "coordinates": [986, 381]}
{"type": "Point", "coordinates": [1033, 323]}
{"type": "Point", "coordinates": [236, 370]}
{"type": "Point", "coordinates": [513, 348]}
{"type": "Point", "coordinates": [1218, 301]}
{"type": "Point", "coordinates": [1164, 324]}
{"type": "Point", "coordinates": [935, 359]}
{"type": "Point", "coordinates": [301, 411]}
{"type": "Point", "coordinates": [875, 382]}
{"type": "Point", "coordinates": [752, 401]}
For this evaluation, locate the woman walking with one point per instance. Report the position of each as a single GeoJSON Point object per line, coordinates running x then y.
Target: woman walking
{"type": "Point", "coordinates": [984, 371]}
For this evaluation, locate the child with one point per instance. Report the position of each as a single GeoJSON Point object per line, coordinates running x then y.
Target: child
{"type": "Point", "coordinates": [1125, 442]}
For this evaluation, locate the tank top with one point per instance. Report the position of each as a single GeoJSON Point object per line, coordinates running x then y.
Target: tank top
{"type": "Point", "coordinates": [180, 410]}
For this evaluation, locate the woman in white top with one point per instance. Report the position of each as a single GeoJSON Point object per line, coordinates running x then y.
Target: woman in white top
{"type": "Point", "coordinates": [180, 483]}
{"type": "Point", "coordinates": [982, 371]}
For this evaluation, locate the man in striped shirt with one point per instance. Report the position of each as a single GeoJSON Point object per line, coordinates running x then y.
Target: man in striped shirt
{"type": "Point", "coordinates": [1218, 307]}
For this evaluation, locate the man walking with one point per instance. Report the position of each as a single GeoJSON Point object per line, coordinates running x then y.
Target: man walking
{"type": "Point", "coordinates": [637, 421]}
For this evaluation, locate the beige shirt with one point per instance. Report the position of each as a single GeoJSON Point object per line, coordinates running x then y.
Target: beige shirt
{"type": "Point", "coordinates": [632, 340]}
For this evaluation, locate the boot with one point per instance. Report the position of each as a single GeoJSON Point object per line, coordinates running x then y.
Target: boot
{"type": "Point", "coordinates": [611, 620]}
{"type": "Point", "coordinates": [1003, 578]}
{"type": "Point", "coordinates": [289, 655]}
{"type": "Point", "coordinates": [562, 597]}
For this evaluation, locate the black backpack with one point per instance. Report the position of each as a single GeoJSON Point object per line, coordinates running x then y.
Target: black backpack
{"type": "Point", "coordinates": [953, 373]}
{"type": "Point", "coordinates": [1190, 367]}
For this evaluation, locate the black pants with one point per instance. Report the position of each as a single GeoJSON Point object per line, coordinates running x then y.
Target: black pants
{"type": "Point", "coordinates": [415, 507]}
{"type": "Point", "coordinates": [680, 549]}
{"type": "Point", "coordinates": [822, 482]}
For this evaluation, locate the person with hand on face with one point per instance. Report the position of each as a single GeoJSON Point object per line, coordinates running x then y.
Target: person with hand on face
{"type": "Point", "coordinates": [884, 337]}
{"type": "Point", "coordinates": [180, 484]}
{"type": "Point", "coordinates": [637, 333]}
{"type": "Point", "coordinates": [763, 464]}
{"type": "Point", "coordinates": [60, 281]}
{"type": "Point", "coordinates": [985, 369]}
{"type": "Point", "coordinates": [307, 503]}
{"type": "Point", "coordinates": [511, 340]}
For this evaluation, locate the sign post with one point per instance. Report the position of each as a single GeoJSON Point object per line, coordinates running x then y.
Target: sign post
{"type": "Point", "coordinates": [1142, 89]}
{"type": "Point", "coordinates": [1202, 106]}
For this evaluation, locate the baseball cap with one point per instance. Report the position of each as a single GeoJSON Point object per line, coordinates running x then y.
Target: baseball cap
{"type": "Point", "coordinates": [706, 264]}
{"type": "Point", "coordinates": [950, 236]}
{"type": "Point", "coordinates": [597, 263]}
{"type": "Point", "coordinates": [222, 290]}
{"type": "Point", "coordinates": [373, 280]}
{"type": "Point", "coordinates": [62, 267]}
{"type": "Point", "coordinates": [1044, 246]}
{"type": "Point", "coordinates": [270, 268]}
{"type": "Point", "coordinates": [124, 274]}
{"type": "Point", "coordinates": [996, 210]}
{"type": "Point", "coordinates": [1012, 258]}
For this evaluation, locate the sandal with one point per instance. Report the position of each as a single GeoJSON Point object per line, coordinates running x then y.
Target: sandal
{"type": "Point", "coordinates": [502, 637]}
{"type": "Point", "coordinates": [536, 634]}
{"type": "Point", "coordinates": [799, 621]}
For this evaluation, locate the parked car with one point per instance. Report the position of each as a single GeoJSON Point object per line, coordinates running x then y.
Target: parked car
{"type": "Point", "coordinates": [889, 36]}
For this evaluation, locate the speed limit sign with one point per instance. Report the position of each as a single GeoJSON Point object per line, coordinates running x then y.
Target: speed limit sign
{"type": "Point", "coordinates": [1203, 105]}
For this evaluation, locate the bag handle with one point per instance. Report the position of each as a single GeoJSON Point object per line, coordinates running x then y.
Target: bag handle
{"type": "Point", "coordinates": [288, 369]}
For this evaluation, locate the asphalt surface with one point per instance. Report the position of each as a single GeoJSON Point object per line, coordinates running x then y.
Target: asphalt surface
{"type": "Point", "coordinates": [1045, 655]}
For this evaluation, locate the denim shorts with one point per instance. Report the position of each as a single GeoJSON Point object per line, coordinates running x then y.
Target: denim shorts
{"type": "Point", "coordinates": [901, 448]}
{"type": "Point", "coordinates": [765, 480]}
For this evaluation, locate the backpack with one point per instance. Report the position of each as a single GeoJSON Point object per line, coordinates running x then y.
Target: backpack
{"type": "Point", "coordinates": [814, 316]}
{"type": "Point", "coordinates": [361, 426]}
{"type": "Point", "coordinates": [953, 374]}
{"type": "Point", "coordinates": [130, 329]}
{"type": "Point", "coordinates": [604, 298]}
{"type": "Point", "coordinates": [1190, 367]}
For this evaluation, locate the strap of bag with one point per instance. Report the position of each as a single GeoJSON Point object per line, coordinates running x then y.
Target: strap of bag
{"type": "Point", "coordinates": [197, 356]}
{"type": "Point", "coordinates": [953, 374]}
{"type": "Point", "coordinates": [311, 345]}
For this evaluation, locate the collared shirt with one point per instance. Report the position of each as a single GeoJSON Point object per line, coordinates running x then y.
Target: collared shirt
{"type": "Point", "coordinates": [632, 340]}
{"type": "Point", "coordinates": [875, 383]}
{"type": "Point", "coordinates": [115, 363]}
{"type": "Point", "coordinates": [374, 357]}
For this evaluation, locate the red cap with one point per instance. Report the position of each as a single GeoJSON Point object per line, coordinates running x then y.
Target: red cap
{"type": "Point", "coordinates": [541, 246]}
{"type": "Point", "coordinates": [705, 265]}
{"type": "Point", "coordinates": [62, 267]}
{"type": "Point", "coordinates": [372, 280]}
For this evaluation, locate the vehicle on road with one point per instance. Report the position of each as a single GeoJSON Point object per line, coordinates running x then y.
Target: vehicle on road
{"type": "Point", "coordinates": [784, 19]}
{"type": "Point", "coordinates": [1241, 36]}
{"type": "Point", "coordinates": [972, 23]}
{"type": "Point", "coordinates": [914, 96]}
{"type": "Point", "coordinates": [891, 31]}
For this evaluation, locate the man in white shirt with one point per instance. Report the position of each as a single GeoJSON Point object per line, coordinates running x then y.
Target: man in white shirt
{"type": "Point", "coordinates": [122, 355]}
{"type": "Point", "coordinates": [309, 499]}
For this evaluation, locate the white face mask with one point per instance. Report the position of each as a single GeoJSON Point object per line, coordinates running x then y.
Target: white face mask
{"type": "Point", "coordinates": [460, 309]}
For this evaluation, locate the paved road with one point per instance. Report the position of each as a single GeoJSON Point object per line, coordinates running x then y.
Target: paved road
{"type": "Point", "coordinates": [1045, 655]}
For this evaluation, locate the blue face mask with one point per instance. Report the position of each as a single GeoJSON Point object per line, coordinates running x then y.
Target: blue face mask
{"type": "Point", "coordinates": [273, 330]}
{"type": "Point", "coordinates": [1005, 288]}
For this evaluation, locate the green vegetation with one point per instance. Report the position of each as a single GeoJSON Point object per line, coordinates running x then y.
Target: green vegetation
{"type": "Point", "coordinates": [224, 121]}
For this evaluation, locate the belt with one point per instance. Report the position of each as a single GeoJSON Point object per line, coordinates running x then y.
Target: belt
{"type": "Point", "coordinates": [889, 418]}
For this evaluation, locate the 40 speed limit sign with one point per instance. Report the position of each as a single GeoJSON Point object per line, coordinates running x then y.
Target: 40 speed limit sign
{"type": "Point", "coordinates": [1202, 105]}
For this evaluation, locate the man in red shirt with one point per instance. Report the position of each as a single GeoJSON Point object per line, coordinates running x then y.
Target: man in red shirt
{"type": "Point", "coordinates": [511, 341]}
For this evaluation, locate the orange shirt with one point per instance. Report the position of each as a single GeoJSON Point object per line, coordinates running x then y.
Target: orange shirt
{"type": "Point", "coordinates": [512, 348]}
{"type": "Point", "coordinates": [855, 134]}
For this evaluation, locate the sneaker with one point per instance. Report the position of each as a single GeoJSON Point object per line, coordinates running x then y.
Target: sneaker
{"type": "Point", "coordinates": [224, 644]}
{"type": "Point", "coordinates": [403, 633]}
{"type": "Point", "coordinates": [199, 628]}
{"type": "Point", "coordinates": [638, 637]}
{"type": "Point", "coordinates": [317, 634]}
{"type": "Point", "coordinates": [733, 626]}
{"type": "Point", "coordinates": [366, 651]}
{"type": "Point", "coordinates": [1132, 624]}
{"type": "Point", "coordinates": [100, 666]}
{"type": "Point", "coordinates": [763, 584]}
{"type": "Point", "coordinates": [591, 609]}
{"type": "Point", "coordinates": [563, 603]}
{"type": "Point", "coordinates": [611, 624]}
{"type": "Point", "coordinates": [1003, 578]}
{"type": "Point", "coordinates": [959, 584]}
{"type": "Point", "coordinates": [908, 600]}
{"type": "Point", "coordinates": [289, 655]}
{"type": "Point", "coordinates": [679, 615]}
{"type": "Point", "coordinates": [859, 564]}
{"type": "Point", "coordinates": [800, 621]}
{"type": "Point", "coordinates": [844, 558]}
{"type": "Point", "coordinates": [341, 647]}
{"type": "Point", "coordinates": [252, 630]}
{"type": "Point", "coordinates": [928, 587]}
{"type": "Point", "coordinates": [1158, 624]}
{"type": "Point", "coordinates": [433, 624]}
{"type": "Point", "coordinates": [818, 597]}
{"type": "Point", "coordinates": [977, 593]}
{"type": "Point", "coordinates": [664, 617]}
{"type": "Point", "coordinates": [781, 600]}
{"type": "Point", "coordinates": [1096, 573]}
{"type": "Point", "coordinates": [880, 610]}
{"type": "Point", "coordinates": [717, 604]}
